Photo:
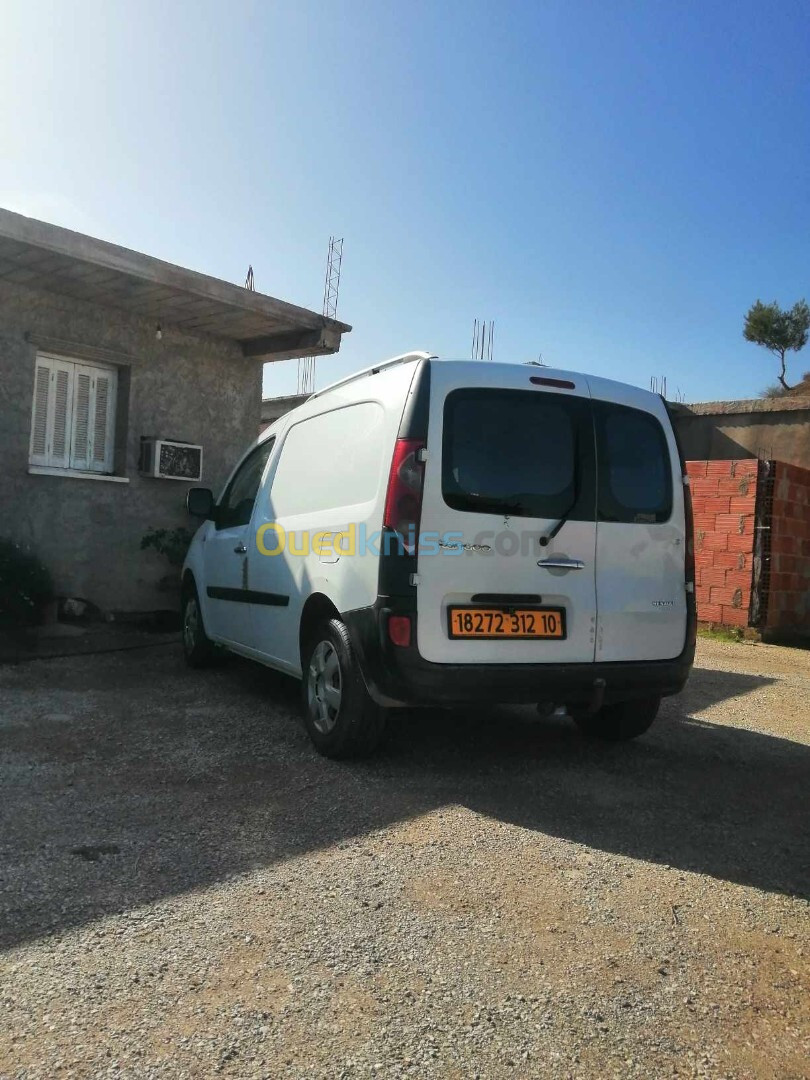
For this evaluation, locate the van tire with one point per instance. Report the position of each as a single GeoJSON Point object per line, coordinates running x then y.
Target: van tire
{"type": "Point", "coordinates": [619, 722]}
{"type": "Point", "coordinates": [339, 714]}
{"type": "Point", "coordinates": [198, 649]}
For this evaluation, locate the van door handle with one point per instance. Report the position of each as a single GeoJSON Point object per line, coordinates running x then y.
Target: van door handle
{"type": "Point", "coordinates": [240, 549]}
{"type": "Point", "coordinates": [562, 564]}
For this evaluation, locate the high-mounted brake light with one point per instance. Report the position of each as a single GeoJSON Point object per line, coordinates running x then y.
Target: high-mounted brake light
{"type": "Point", "coordinates": [403, 500]}
{"type": "Point", "coordinates": [561, 384]}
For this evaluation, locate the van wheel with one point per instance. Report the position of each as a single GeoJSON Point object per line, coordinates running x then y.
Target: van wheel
{"type": "Point", "coordinates": [339, 714]}
{"type": "Point", "coordinates": [198, 649]}
{"type": "Point", "coordinates": [619, 722]}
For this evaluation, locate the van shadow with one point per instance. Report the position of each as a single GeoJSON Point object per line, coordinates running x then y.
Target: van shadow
{"type": "Point", "coordinates": [166, 780]}
{"type": "Point", "coordinates": [703, 797]}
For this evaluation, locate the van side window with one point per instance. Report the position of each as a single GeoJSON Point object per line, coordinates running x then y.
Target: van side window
{"type": "Point", "coordinates": [635, 473]}
{"type": "Point", "coordinates": [236, 506]}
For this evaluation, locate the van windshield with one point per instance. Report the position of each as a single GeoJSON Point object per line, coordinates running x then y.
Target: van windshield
{"type": "Point", "coordinates": [512, 452]}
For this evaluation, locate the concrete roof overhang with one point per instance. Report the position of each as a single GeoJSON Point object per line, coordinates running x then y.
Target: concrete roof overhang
{"type": "Point", "coordinates": [57, 260]}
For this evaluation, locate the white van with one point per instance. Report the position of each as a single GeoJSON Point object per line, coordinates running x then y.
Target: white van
{"type": "Point", "coordinates": [434, 532]}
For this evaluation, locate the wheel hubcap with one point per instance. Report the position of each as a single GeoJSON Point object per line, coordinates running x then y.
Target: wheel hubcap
{"type": "Point", "coordinates": [324, 685]}
{"type": "Point", "coordinates": [191, 624]}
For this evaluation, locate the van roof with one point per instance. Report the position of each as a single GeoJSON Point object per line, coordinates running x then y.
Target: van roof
{"type": "Point", "coordinates": [538, 370]}
{"type": "Point", "coordinates": [403, 358]}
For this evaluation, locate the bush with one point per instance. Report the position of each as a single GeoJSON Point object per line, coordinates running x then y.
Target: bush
{"type": "Point", "coordinates": [801, 389]}
{"type": "Point", "coordinates": [173, 543]}
{"type": "Point", "coordinates": [775, 391]}
{"type": "Point", "coordinates": [25, 586]}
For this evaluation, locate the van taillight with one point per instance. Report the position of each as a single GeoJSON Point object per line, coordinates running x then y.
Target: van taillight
{"type": "Point", "coordinates": [403, 500]}
{"type": "Point", "coordinates": [399, 629]}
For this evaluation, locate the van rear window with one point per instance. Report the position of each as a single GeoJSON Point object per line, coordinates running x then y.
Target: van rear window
{"type": "Point", "coordinates": [513, 452]}
{"type": "Point", "coordinates": [635, 474]}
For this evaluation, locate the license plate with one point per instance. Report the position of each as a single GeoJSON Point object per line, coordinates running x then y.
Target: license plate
{"type": "Point", "coordinates": [536, 623]}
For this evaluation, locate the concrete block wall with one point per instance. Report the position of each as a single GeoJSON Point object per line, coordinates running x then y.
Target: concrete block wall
{"type": "Point", "coordinates": [776, 429]}
{"type": "Point", "coordinates": [724, 495]}
{"type": "Point", "coordinates": [789, 593]}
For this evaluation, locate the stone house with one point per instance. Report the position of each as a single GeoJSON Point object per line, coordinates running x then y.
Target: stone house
{"type": "Point", "coordinates": [124, 380]}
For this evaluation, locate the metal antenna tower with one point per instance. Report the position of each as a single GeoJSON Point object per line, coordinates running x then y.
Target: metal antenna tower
{"type": "Point", "coordinates": [331, 284]}
{"type": "Point", "coordinates": [331, 288]}
{"type": "Point", "coordinates": [483, 340]}
{"type": "Point", "coordinates": [249, 282]}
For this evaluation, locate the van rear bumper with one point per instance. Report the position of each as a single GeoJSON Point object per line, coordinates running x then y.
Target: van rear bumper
{"type": "Point", "coordinates": [398, 675]}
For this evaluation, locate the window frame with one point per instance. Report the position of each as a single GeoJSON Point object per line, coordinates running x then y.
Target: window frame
{"type": "Point", "coordinates": [62, 429]}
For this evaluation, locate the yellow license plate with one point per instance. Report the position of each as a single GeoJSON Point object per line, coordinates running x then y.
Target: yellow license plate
{"type": "Point", "coordinates": [476, 622]}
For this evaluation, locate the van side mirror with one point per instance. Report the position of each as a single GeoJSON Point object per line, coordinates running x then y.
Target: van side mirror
{"type": "Point", "coordinates": [200, 502]}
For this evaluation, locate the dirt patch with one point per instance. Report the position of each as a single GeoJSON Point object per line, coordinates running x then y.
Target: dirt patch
{"type": "Point", "coordinates": [186, 890]}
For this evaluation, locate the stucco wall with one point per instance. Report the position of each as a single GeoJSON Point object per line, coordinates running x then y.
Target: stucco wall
{"type": "Point", "coordinates": [184, 387]}
{"type": "Point", "coordinates": [753, 430]}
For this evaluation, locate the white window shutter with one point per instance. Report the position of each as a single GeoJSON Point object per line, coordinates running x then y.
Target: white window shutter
{"type": "Point", "coordinates": [104, 395]}
{"type": "Point", "coordinates": [40, 412]}
{"type": "Point", "coordinates": [60, 412]}
{"type": "Point", "coordinates": [73, 415]}
{"type": "Point", "coordinates": [51, 413]}
{"type": "Point", "coordinates": [81, 436]}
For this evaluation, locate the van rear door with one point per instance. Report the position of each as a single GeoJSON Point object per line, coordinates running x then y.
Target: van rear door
{"type": "Point", "coordinates": [510, 455]}
{"type": "Point", "coordinates": [641, 531]}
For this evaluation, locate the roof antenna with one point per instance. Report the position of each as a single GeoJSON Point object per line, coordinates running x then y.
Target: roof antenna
{"type": "Point", "coordinates": [249, 282]}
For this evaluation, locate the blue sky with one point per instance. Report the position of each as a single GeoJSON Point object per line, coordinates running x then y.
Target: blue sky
{"type": "Point", "coordinates": [613, 183]}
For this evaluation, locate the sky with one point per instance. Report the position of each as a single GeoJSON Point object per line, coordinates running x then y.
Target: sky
{"type": "Point", "coordinates": [612, 183]}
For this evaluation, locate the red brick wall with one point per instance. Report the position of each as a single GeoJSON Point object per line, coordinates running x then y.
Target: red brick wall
{"type": "Point", "coordinates": [789, 595]}
{"type": "Point", "coordinates": [724, 495]}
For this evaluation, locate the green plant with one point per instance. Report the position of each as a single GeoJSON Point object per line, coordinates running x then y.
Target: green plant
{"type": "Point", "coordinates": [774, 391]}
{"type": "Point", "coordinates": [801, 389]}
{"type": "Point", "coordinates": [173, 543]}
{"type": "Point", "coordinates": [720, 633]}
{"type": "Point", "coordinates": [25, 586]}
{"type": "Point", "coordinates": [778, 331]}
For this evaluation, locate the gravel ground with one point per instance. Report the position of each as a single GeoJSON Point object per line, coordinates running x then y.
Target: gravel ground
{"type": "Point", "coordinates": [187, 890]}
